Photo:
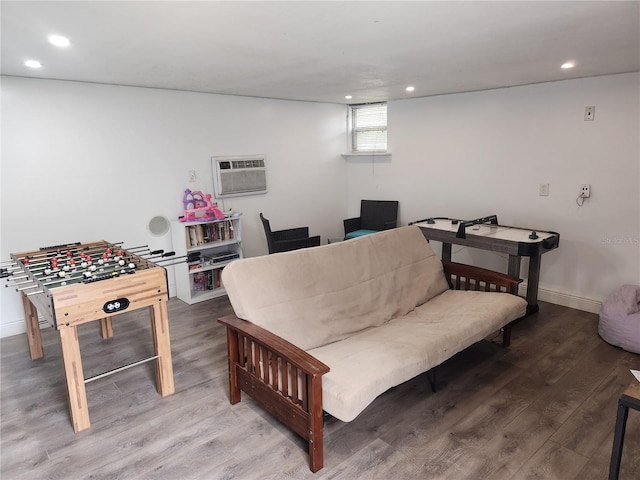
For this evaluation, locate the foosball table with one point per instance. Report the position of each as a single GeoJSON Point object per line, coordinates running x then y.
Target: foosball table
{"type": "Point", "coordinates": [70, 285]}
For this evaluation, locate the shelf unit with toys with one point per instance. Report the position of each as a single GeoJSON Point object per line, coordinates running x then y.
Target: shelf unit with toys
{"type": "Point", "coordinates": [209, 246]}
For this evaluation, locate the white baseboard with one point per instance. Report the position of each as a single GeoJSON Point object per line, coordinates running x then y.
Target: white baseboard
{"type": "Point", "coordinates": [14, 328]}
{"type": "Point", "coordinates": [565, 299]}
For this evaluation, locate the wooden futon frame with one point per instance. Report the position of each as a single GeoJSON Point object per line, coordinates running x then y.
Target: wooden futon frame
{"type": "Point", "coordinates": [263, 364]}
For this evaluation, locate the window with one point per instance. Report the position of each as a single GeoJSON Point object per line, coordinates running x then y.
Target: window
{"type": "Point", "coordinates": [369, 128]}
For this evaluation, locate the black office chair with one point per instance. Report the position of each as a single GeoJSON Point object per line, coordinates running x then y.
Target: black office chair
{"type": "Point", "coordinates": [375, 216]}
{"type": "Point", "coordinates": [289, 239]}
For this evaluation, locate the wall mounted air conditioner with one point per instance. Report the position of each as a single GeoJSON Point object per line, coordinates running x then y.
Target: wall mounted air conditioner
{"type": "Point", "coordinates": [239, 175]}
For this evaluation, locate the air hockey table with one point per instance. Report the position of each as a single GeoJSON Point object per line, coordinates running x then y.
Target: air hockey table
{"type": "Point", "coordinates": [487, 234]}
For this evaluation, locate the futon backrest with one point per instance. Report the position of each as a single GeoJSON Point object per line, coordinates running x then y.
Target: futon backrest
{"type": "Point", "coordinates": [320, 295]}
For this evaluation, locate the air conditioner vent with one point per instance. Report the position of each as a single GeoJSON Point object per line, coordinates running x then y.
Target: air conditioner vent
{"type": "Point", "coordinates": [239, 175]}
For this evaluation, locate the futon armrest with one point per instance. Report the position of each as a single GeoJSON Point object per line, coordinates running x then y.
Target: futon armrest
{"type": "Point", "coordinates": [286, 350]}
{"type": "Point", "coordinates": [281, 377]}
{"type": "Point", "coordinates": [468, 277]}
{"type": "Point", "coordinates": [290, 234]}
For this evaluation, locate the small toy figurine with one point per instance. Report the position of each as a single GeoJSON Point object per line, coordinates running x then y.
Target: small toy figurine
{"type": "Point", "coordinates": [199, 208]}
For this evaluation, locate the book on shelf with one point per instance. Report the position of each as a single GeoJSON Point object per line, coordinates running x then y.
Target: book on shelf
{"type": "Point", "coordinates": [205, 233]}
{"type": "Point", "coordinates": [207, 280]}
{"type": "Point", "coordinates": [200, 281]}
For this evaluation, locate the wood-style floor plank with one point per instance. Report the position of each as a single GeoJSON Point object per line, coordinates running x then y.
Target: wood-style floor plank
{"type": "Point", "coordinates": [543, 408]}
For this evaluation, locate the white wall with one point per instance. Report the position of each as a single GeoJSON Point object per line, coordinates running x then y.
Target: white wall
{"type": "Point", "coordinates": [474, 154]}
{"type": "Point", "coordinates": [84, 162]}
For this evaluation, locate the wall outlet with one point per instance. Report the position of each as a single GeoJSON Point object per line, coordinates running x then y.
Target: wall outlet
{"type": "Point", "coordinates": [589, 113]}
{"type": "Point", "coordinates": [585, 190]}
{"type": "Point", "coordinates": [544, 190]}
{"type": "Point", "coordinates": [192, 176]}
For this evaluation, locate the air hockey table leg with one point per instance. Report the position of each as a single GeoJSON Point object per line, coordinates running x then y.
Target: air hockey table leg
{"type": "Point", "coordinates": [533, 281]}
{"type": "Point", "coordinates": [446, 252]}
{"type": "Point", "coordinates": [533, 278]}
{"type": "Point", "coordinates": [72, 360]}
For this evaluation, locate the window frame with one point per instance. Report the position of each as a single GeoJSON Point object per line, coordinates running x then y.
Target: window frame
{"type": "Point", "coordinates": [379, 127]}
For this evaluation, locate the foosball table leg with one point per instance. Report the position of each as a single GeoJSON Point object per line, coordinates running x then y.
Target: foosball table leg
{"type": "Point", "coordinates": [106, 328]}
{"type": "Point", "coordinates": [162, 348]}
{"type": "Point", "coordinates": [34, 337]}
{"type": "Point", "coordinates": [72, 360]}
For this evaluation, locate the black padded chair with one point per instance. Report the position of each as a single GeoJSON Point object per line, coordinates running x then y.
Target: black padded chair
{"type": "Point", "coordinates": [290, 239]}
{"type": "Point", "coordinates": [375, 216]}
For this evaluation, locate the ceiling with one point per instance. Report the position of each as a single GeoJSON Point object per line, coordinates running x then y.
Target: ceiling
{"type": "Point", "coordinates": [321, 50]}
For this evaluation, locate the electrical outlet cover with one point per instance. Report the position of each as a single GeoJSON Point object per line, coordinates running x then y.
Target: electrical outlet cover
{"type": "Point", "coordinates": [585, 190]}
{"type": "Point", "coordinates": [589, 113]}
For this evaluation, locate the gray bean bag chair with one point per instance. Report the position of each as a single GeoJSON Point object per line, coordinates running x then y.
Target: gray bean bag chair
{"type": "Point", "coordinates": [620, 318]}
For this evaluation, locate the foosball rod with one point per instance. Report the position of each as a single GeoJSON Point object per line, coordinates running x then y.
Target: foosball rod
{"type": "Point", "coordinates": [35, 285]}
{"type": "Point", "coordinates": [43, 265]}
{"type": "Point", "coordinates": [175, 261]}
{"type": "Point", "coordinates": [14, 263]}
{"type": "Point", "coordinates": [93, 248]}
{"type": "Point", "coordinates": [162, 255]}
{"type": "Point", "coordinates": [40, 270]}
{"type": "Point", "coordinates": [81, 275]}
{"type": "Point", "coordinates": [73, 280]}
{"type": "Point", "coordinates": [78, 256]}
{"type": "Point", "coordinates": [80, 271]}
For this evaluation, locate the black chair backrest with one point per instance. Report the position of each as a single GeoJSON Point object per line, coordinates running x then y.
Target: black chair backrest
{"type": "Point", "coordinates": [267, 232]}
{"type": "Point", "coordinates": [378, 214]}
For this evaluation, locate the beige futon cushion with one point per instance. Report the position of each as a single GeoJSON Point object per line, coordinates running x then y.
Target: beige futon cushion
{"type": "Point", "coordinates": [316, 296]}
{"type": "Point", "coordinates": [367, 364]}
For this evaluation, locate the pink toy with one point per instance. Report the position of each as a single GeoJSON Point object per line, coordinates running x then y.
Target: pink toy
{"type": "Point", "coordinates": [199, 208]}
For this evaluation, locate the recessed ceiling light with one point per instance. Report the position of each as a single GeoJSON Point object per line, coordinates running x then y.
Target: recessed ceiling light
{"type": "Point", "coordinates": [33, 64]}
{"type": "Point", "coordinates": [59, 40]}
{"type": "Point", "coordinates": [348, 97]}
{"type": "Point", "coordinates": [410, 88]}
{"type": "Point", "coordinates": [567, 65]}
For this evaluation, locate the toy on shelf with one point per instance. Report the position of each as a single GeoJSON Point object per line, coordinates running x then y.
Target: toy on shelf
{"type": "Point", "coordinates": [199, 208]}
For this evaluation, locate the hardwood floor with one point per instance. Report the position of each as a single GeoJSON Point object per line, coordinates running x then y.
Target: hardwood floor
{"type": "Point", "coordinates": [543, 408]}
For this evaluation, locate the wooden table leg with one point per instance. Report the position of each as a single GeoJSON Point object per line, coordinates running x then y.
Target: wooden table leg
{"type": "Point", "coordinates": [162, 348]}
{"type": "Point", "coordinates": [72, 360]}
{"type": "Point", "coordinates": [106, 328]}
{"type": "Point", "coordinates": [34, 337]}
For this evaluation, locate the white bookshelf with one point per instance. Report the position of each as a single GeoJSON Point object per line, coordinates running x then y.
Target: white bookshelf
{"type": "Point", "coordinates": [212, 245]}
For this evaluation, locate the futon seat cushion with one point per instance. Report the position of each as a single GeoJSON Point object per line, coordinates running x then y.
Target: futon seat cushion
{"type": "Point", "coordinates": [367, 364]}
{"type": "Point", "coordinates": [359, 233]}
